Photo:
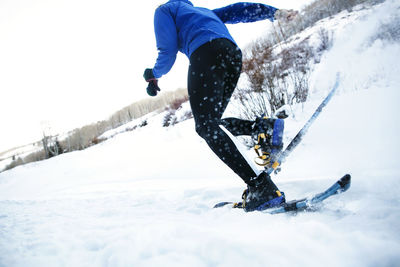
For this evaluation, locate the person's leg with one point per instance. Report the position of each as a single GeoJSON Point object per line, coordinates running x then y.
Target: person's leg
{"type": "Point", "coordinates": [213, 73]}
{"type": "Point", "coordinates": [238, 126]}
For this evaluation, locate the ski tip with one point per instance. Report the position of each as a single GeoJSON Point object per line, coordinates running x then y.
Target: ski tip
{"type": "Point", "coordinates": [222, 204]}
{"type": "Point", "coordinates": [345, 182]}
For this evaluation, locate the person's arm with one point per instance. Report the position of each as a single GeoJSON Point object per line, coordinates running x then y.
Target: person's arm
{"type": "Point", "coordinates": [245, 12]}
{"type": "Point", "coordinates": [167, 42]}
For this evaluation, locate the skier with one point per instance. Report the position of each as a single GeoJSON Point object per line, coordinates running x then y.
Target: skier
{"type": "Point", "coordinates": [215, 66]}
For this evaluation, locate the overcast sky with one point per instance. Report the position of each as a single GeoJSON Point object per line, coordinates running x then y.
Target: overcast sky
{"type": "Point", "coordinates": [65, 63]}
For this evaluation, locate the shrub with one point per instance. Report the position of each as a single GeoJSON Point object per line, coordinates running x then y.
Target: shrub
{"type": "Point", "coordinates": [14, 164]}
{"type": "Point", "coordinates": [388, 30]}
{"type": "Point", "coordinates": [280, 75]}
{"type": "Point", "coordinates": [275, 79]}
{"type": "Point", "coordinates": [170, 117]}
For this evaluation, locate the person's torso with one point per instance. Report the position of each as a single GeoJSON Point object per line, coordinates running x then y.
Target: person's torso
{"type": "Point", "coordinates": [195, 25]}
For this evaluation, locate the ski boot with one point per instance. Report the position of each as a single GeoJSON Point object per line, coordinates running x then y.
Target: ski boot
{"type": "Point", "coordinates": [261, 194]}
{"type": "Point", "coordinates": [268, 134]}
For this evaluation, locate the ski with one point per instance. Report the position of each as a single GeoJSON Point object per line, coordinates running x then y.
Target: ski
{"type": "Point", "coordinates": [304, 204]}
{"type": "Point", "coordinates": [296, 140]}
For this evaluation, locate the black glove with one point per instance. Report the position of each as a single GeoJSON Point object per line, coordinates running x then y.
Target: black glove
{"type": "Point", "coordinates": [152, 88]}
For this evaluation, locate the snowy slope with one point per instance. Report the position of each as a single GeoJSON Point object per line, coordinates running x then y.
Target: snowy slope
{"type": "Point", "coordinates": [144, 198]}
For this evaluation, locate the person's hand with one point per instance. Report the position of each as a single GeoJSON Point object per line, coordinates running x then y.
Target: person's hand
{"type": "Point", "coordinates": [286, 15]}
{"type": "Point", "coordinates": [152, 88]}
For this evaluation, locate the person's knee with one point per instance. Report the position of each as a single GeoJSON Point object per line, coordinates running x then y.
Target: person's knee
{"type": "Point", "coordinates": [208, 131]}
{"type": "Point", "coordinates": [202, 130]}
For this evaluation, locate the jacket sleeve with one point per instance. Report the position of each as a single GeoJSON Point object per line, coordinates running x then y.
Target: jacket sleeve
{"type": "Point", "coordinates": [245, 12]}
{"type": "Point", "coordinates": [167, 41]}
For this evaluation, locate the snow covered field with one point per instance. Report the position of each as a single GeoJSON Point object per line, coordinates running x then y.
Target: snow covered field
{"type": "Point", "coordinates": [144, 198]}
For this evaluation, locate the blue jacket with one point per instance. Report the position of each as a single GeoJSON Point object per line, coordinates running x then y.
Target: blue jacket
{"type": "Point", "coordinates": [179, 26]}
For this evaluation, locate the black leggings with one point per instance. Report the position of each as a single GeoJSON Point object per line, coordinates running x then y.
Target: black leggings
{"type": "Point", "coordinates": [213, 74]}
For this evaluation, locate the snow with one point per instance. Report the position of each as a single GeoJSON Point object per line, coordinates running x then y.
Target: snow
{"type": "Point", "coordinates": [144, 197]}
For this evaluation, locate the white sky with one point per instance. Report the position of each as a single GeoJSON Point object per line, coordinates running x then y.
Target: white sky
{"type": "Point", "coordinates": [65, 63]}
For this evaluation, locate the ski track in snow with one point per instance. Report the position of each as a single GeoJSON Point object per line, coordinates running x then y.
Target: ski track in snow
{"type": "Point", "coordinates": [144, 198]}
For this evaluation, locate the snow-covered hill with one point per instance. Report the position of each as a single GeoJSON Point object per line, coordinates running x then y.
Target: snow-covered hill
{"type": "Point", "coordinates": [144, 198]}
